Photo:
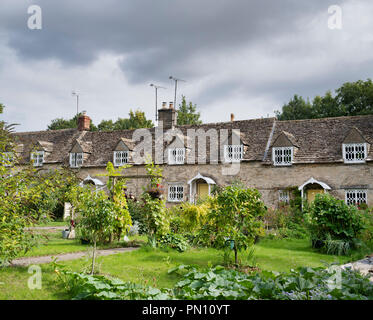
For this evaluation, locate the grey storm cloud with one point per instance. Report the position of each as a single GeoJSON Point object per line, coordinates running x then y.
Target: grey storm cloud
{"type": "Point", "coordinates": [154, 37]}
{"type": "Point", "coordinates": [243, 56]}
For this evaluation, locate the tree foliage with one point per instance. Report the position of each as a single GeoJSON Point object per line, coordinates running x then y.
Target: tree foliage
{"type": "Point", "coordinates": [331, 219]}
{"type": "Point", "coordinates": [153, 218]}
{"type": "Point", "coordinates": [234, 215]}
{"type": "Point", "coordinates": [351, 99]}
{"type": "Point", "coordinates": [27, 196]}
{"type": "Point", "coordinates": [136, 120]}
{"type": "Point", "coordinates": [186, 114]}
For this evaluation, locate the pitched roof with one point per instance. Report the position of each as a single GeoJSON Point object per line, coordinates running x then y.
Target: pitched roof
{"type": "Point", "coordinates": [320, 140]}
{"type": "Point", "coordinates": [317, 140]}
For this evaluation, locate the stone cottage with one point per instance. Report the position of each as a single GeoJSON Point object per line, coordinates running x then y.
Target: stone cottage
{"type": "Point", "coordinates": [333, 155]}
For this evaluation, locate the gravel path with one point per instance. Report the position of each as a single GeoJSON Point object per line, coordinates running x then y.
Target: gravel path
{"type": "Point", "coordinates": [365, 266]}
{"type": "Point", "coordinates": [47, 228]}
{"type": "Point", "coordinates": [66, 256]}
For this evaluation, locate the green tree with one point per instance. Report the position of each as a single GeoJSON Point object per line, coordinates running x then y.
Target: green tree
{"type": "Point", "coordinates": [297, 108]}
{"type": "Point", "coordinates": [26, 195]}
{"type": "Point", "coordinates": [106, 125]}
{"type": "Point", "coordinates": [186, 114]}
{"type": "Point", "coordinates": [96, 216]}
{"type": "Point", "coordinates": [235, 216]}
{"type": "Point", "coordinates": [351, 99]}
{"type": "Point", "coordinates": [356, 98]}
{"type": "Point", "coordinates": [61, 123]}
{"type": "Point", "coordinates": [326, 106]}
{"type": "Point", "coordinates": [136, 120]}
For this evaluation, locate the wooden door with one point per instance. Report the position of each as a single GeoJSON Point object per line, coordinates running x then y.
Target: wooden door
{"type": "Point", "coordinates": [311, 194]}
{"type": "Point", "coordinates": [202, 190]}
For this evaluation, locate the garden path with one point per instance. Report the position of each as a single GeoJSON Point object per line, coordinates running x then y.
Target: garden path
{"type": "Point", "coordinates": [365, 266]}
{"type": "Point", "coordinates": [66, 256]}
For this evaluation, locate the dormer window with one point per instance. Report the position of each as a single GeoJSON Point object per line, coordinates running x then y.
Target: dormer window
{"type": "Point", "coordinates": [37, 157]}
{"type": "Point", "coordinates": [354, 152]}
{"type": "Point", "coordinates": [76, 159]}
{"type": "Point", "coordinates": [176, 156]}
{"type": "Point", "coordinates": [233, 153]}
{"type": "Point", "coordinates": [282, 156]}
{"type": "Point", "coordinates": [121, 158]}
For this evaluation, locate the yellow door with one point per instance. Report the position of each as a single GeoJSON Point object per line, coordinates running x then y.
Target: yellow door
{"type": "Point", "coordinates": [202, 190]}
{"type": "Point", "coordinates": [311, 194]}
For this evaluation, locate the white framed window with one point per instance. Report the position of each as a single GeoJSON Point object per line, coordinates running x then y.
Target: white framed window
{"type": "Point", "coordinates": [121, 158]}
{"type": "Point", "coordinates": [233, 153]}
{"type": "Point", "coordinates": [176, 156]}
{"type": "Point", "coordinates": [282, 156]}
{"type": "Point", "coordinates": [37, 158]}
{"type": "Point", "coordinates": [283, 196]}
{"type": "Point", "coordinates": [356, 196]}
{"type": "Point", "coordinates": [354, 152]}
{"type": "Point", "coordinates": [175, 193]}
{"type": "Point", "coordinates": [76, 159]}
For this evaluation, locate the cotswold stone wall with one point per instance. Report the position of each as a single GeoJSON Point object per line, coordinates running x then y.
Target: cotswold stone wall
{"type": "Point", "coordinates": [266, 178]}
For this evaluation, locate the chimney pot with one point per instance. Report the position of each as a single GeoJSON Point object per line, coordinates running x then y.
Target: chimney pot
{"type": "Point", "coordinates": [171, 105]}
{"type": "Point", "coordinates": [232, 117]}
{"type": "Point", "coordinates": [164, 105]}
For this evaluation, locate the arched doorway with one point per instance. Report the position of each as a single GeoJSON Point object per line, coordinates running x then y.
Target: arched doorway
{"type": "Point", "coordinates": [200, 187]}
{"type": "Point", "coordinates": [311, 188]}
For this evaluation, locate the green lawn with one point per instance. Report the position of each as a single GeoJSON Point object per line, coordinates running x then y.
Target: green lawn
{"type": "Point", "coordinates": [54, 224]}
{"type": "Point", "coordinates": [151, 266]}
{"type": "Point", "coordinates": [52, 243]}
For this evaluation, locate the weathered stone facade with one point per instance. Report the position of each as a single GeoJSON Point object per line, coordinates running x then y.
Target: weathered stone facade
{"type": "Point", "coordinates": [317, 147]}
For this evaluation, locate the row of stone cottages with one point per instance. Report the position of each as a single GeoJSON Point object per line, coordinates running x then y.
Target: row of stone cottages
{"type": "Point", "coordinates": [333, 155]}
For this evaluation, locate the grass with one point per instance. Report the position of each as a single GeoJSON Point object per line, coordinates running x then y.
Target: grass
{"type": "Point", "coordinates": [52, 243]}
{"type": "Point", "coordinates": [53, 224]}
{"type": "Point", "coordinates": [150, 266]}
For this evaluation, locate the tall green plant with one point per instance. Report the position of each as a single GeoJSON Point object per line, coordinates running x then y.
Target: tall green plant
{"type": "Point", "coordinates": [330, 219]}
{"type": "Point", "coordinates": [117, 186]}
{"type": "Point", "coordinates": [97, 217]}
{"type": "Point", "coordinates": [235, 216]}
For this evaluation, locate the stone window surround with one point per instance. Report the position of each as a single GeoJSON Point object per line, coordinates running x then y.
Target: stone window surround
{"type": "Point", "coordinates": [284, 196]}
{"type": "Point", "coordinates": [175, 189]}
{"type": "Point", "coordinates": [352, 196]}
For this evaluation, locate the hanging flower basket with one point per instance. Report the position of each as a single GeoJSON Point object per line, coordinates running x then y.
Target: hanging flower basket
{"type": "Point", "coordinates": [155, 192]}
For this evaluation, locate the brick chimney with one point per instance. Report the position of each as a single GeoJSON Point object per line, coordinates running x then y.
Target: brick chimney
{"type": "Point", "coordinates": [168, 116]}
{"type": "Point", "coordinates": [84, 122]}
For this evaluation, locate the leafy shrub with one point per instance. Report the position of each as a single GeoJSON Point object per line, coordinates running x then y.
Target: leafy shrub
{"type": "Point", "coordinates": [330, 219]}
{"type": "Point", "coordinates": [219, 283]}
{"type": "Point", "coordinates": [136, 209]}
{"type": "Point", "coordinates": [188, 217]}
{"type": "Point", "coordinates": [154, 219]}
{"type": "Point", "coordinates": [234, 214]}
{"type": "Point", "coordinates": [367, 233]}
{"type": "Point", "coordinates": [174, 241]}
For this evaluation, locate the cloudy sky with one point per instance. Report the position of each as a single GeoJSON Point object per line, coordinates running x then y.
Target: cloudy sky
{"type": "Point", "coordinates": [246, 57]}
